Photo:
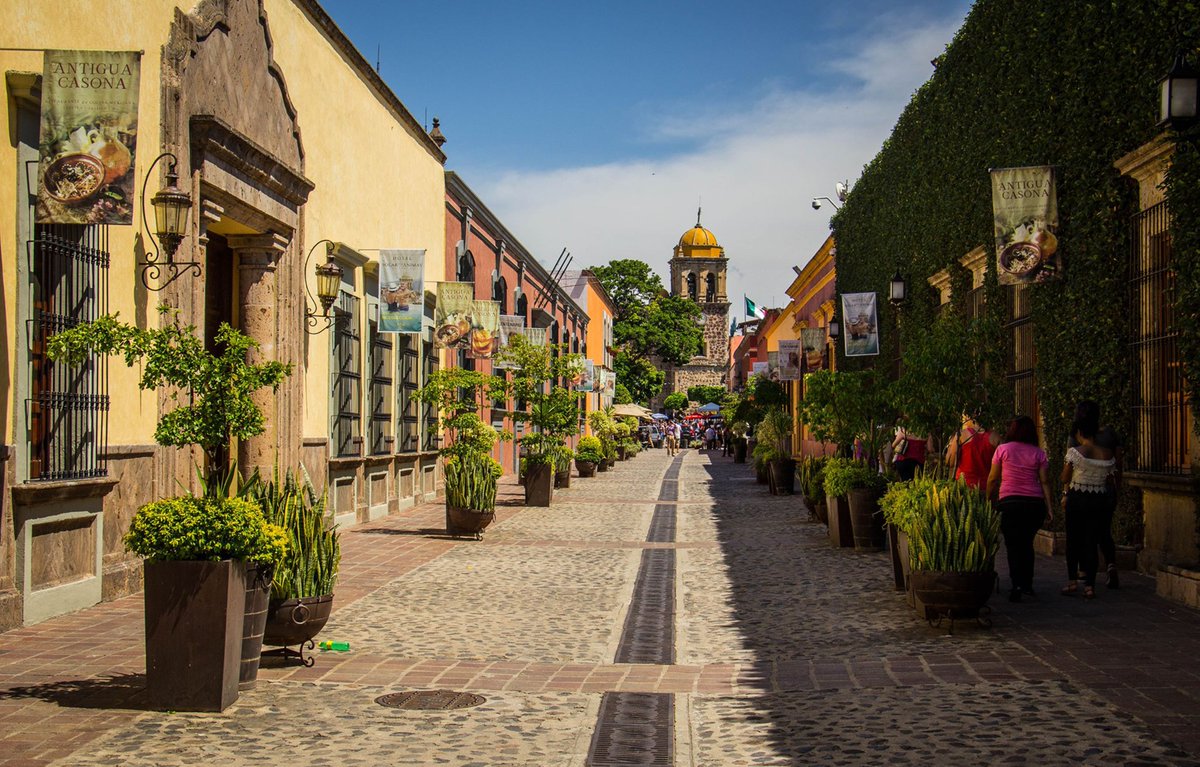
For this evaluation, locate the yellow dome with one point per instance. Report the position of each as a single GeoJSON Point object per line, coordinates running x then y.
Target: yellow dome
{"type": "Point", "coordinates": [698, 236]}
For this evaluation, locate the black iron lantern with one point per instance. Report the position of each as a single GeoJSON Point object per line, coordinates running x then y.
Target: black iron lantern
{"type": "Point", "coordinates": [329, 283]}
{"type": "Point", "coordinates": [1178, 88]}
{"type": "Point", "coordinates": [171, 206]}
{"type": "Point", "coordinates": [835, 329]}
{"type": "Point", "coordinates": [897, 289]}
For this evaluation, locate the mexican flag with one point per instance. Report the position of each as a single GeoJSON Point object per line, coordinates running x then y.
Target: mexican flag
{"type": "Point", "coordinates": [753, 309]}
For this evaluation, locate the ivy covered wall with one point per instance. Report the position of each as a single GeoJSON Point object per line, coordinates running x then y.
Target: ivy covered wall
{"type": "Point", "coordinates": [1026, 82]}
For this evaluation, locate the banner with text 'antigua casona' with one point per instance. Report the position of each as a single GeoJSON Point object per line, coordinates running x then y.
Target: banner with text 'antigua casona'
{"type": "Point", "coordinates": [89, 126]}
{"type": "Point", "coordinates": [401, 290]}
{"type": "Point", "coordinates": [1025, 207]}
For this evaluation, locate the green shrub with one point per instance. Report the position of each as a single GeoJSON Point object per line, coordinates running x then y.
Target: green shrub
{"type": "Point", "coordinates": [204, 528]}
{"type": "Point", "coordinates": [590, 449]}
{"type": "Point", "coordinates": [959, 533]}
{"type": "Point", "coordinates": [904, 505]}
{"type": "Point", "coordinates": [811, 473]}
{"type": "Point", "coordinates": [842, 476]}
{"type": "Point", "coordinates": [309, 567]}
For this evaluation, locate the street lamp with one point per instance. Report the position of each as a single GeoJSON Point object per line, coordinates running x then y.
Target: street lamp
{"type": "Point", "coordinates": [897, 289]}
{"type": "Point", "coordinates": [835, 329]}
{"type": "Point", "coordinates": [1178, 87]}
{"type": "Point", "coordinates": [329, 281]}
{"type": "Point", "coordinates": [171, 205]}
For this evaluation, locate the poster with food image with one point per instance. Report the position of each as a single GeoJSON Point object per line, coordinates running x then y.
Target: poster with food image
{"type": "Point", "coordinates": [1025, 208]}
{"type": "Point", "coordinates": [860, 324]}
{"type": "Point", "coordinates": [510, 325]}
{"type": "Point", "coordinates": [484, 338]}
{"type": "Point", "coordinates": [452, 315]}
{"type": "Point", "coordinates": [401, 290]}
{"type": "Point", "coordinates": [89, 125]}
{"type": "Point", "coordinates": [812, 340]}
{"type": "Point", "coordinates": [789, 360]}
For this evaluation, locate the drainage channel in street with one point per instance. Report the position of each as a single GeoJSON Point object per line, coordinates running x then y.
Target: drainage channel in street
{"type": "Point", "coordinates": [637, 728]}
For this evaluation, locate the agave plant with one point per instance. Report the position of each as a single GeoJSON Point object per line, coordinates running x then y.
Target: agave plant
{"type": "Point", "coordinates": [309, 568]}
{"type": "Point", "coordinates": [959, 532]}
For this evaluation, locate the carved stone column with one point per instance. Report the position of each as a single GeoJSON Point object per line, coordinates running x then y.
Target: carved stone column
{"type": "Point", "coordinates": [258, 316]}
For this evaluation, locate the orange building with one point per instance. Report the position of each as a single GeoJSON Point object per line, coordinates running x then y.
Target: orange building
{"type": "Point", "coordinates": [587, 292]}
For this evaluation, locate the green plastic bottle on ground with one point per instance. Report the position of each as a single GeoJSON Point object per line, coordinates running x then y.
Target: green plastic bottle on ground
{"type": "Point", "coordinates": [335, 646]}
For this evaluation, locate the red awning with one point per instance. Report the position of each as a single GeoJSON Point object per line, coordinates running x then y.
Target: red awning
{"type": "Point", "coordinates": [693, 417]}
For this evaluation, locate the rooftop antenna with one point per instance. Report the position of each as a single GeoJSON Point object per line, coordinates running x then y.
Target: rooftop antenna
{"type": "Point", "coordinates": [699, 203]}
{"type": "Point", "coordinates": [378, 49]}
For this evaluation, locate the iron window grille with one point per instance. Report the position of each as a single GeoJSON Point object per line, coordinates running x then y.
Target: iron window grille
{"type": "Point", "coordinates": [429, 409]}
{"type": "Point", "coordinates": [68, 404]}
{"type": "Point", "coordinates": [382, 365]}
{"type": "Point", "coordinates": [1022, 355]}
{"type": "Point", "coordinates": [347, 378]}
{"type": "Point", "coordinates": [1161, 438]}
{"type": "Point", "coordinates": [408, 419]}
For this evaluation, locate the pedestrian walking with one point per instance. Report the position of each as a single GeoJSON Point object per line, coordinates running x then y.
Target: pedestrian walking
{"type": "Point", "coordinates": [969, 454]}
{"type": "Point", "coordinates": [1107, 438]}
{"type": "Point", "coordinates": [909, 453]}
{"type": "Point", "coordinates": [1018, 481]}
{"type": "Point", "coordinates": [671, 440]}
{"type": "Point", "coordinates": [727, 441]}
{"type": "Point", "coordinates": [1085, 478]}
{"type": "Point", "coordinates": [710, 438]}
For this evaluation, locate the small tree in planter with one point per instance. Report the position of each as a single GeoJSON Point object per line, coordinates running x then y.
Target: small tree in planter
{"type": "Point", "coordinates": [604, 427]}
{"type": "Point", "coordinates": [739, 429]}
{"type": "Point", "coordinates": [588, 456]}
{"type": "Point", "coordinates": [192, 654]}
{"type": "Point", "coordinates": [861, 486]}
{"type": "Point", "coordinates": [811, 475]}
{"type": "Point", "coordinates": [471, 472]}
{"type": "Point", "coordinates": [774, 433]}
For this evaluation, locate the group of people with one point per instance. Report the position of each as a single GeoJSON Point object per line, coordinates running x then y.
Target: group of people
{"type": "Point", "coordinates": [1014, 472]}
{"type": "Point", "coordinates": [708, 434]}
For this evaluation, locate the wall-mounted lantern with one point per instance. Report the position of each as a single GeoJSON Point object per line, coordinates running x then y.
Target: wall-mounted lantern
{"type": "Point", "coordinates": [329, 283]}
{"type": "Point", "coordinates": [897, 289]}
{"type": "Point", "coordinates": [1178, 89]}
{"type": "Point", "coordinates": [171, 206]}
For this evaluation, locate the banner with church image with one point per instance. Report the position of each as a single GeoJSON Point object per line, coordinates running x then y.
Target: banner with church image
{"type": "Point", "coordinates": [861, 324]}
{"type": "Point", "coordinates": [401, 290]}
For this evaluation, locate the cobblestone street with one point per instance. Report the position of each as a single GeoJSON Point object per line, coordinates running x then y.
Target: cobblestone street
{"type": "Point", "coordinates": [785, 652]}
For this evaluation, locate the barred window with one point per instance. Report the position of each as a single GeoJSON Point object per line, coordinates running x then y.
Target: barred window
{"type": "Point", "coordinates": [408, 421]}
{"type": "Point", "coordinates": [429, 409]}
{"type": "Point", "coordinates": [347, 378]}
{"type": "Point", "coordinates": [381, 366]}
{"type": "Point", "coordinates": [68, 404]}
{"type": "Point", "coordinates": [1022, 355]}
{"type": "Point", "coordinates": [1161, 437]}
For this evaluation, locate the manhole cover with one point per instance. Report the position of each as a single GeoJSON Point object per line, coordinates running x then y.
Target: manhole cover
{"type": "Point", "coordinates": [430, 700]}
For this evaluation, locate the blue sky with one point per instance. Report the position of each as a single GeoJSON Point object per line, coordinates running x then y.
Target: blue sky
{"type": "Point", "coordinates": [599, 126]}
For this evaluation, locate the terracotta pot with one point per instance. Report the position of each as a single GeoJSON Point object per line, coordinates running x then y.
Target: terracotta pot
{"type": "Point", "coordinates": [195, 613]}
{"type": "Point", "coordinates": [539, 484]}
{"type": "Point", "coordinates": [292, 622]}
{"type": "Point", "coordinates": [467, 521]}
{"type": "Point", "coordinates": [585, 468]}
{"type": "Point", "coordinates": [866, 520]}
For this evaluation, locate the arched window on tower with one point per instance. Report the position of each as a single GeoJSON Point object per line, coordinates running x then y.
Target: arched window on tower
{"type": "Point", "coordinates": [523, 307]}
{"type": "Point", "coordinates": [691, 286]}
{"type": "Point", "coordinates": [710, 287]}
{"type": "Point", "coordinates": [466, 268]}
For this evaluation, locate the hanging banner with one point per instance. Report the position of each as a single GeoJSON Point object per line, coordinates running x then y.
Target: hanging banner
{"type": "Point", "coordinates": [88, 137]}
{"type": "Point", "coordinates": [759, 368]}
{"type": "Point", "coordinates": [861, 323]}
{"type": "Point", "coordinates": [587, 378]}
{"type": "Point", "coordinates": [510, 325]}
{"type": "Point", "coordinates": [610, 384]}
{"type": "Point", "coordinates": [536, 336]}
{"type": "Point", "coordinates": [773, 366]}
{"type": "Point", "coordinates": [1025, 207]}
{"type": "Point", "coordinates": [789, 360]}
{"type": "Point", "coordinates": [452, 314]}
{"type": "Point", "coordinates": [401, 290]}
{"type": "Point", "coordinates": [812, 340]}
{"type": "Point", "coordinates": [484, 338]}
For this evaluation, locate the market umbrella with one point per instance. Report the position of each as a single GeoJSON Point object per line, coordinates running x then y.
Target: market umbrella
{"type": "Point", "coordinates": [659, 417]}
{"type": "Point", "coordinates": [711, 407]}
{"type": "Point", "coordinates": [692, 416]}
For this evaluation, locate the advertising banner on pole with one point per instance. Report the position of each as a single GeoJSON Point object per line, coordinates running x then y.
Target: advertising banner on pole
{"type": "Point", "coordinates": [759, 368]}
{"type": "Point", "coordinates": [789, 360]}
{"type": "Point", "coordinates": [510, 325]}
{"type": "Point", "coordinates": [401, 290]}
{"type": "Point", "coordinates": [588, 379]}
{"type": "Point", "coordinates": [89, 126]}
{"type": "Point", "coordinates": [813, 342]}
{"type": "Point", "coordinates": [861, 324]}
{"type": "Point", "coordinates": [536, 336]}
{"type": "Point", "coordinates": [1025, 209]}
{"type": "Point", "coordinates": [452, 314]}
{"type": "Point", "coordinates": [485, 329]}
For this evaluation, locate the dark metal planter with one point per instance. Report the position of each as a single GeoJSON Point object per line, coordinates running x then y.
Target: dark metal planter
{"type": "Point", "coordinates": [585, 468]}
{"type": "Point", "coordinates": [899, 568]}
{"type": "Point", "coordinates": [953, 595]}
{"type": "Point", "coordinates": [866, 520]}
{"type": "Point", "coordinates": [258, 595]}
{"type": "Point", "coordinates": [822, 511]}
{"type": "Point", "coordinates": [195, 612]}
{"type": "Point", "coordinates": [562, 478]}
{"type": "Point", "coordinates": [739, 451]}
{"type": "Point", "coordinates": [468, 521]}
{"type": "Point", "coordinates": [621, 453]}
{"type": "Point", "coordinates": [841, 534]}
{"type": "Point", "coordinates": [602, 465]}
{"type": "Point", "coordinates": [539, 484]}
{"type": "Point", "coordinates": [294, 623]}
{"type": "Point", "coordinates": [783, 476]}
{"type": "Point", "coordinates": [762, 474]}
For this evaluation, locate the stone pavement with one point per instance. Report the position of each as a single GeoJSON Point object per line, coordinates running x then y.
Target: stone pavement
{"type": "Point", "coordinates": [786, 652]}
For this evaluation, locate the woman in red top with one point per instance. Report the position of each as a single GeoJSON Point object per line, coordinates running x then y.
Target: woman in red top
{"type": "Point", "coordinates": [970, 452]}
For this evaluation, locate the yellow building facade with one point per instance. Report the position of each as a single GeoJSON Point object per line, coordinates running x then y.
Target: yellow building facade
{"type": "Point", "coordinates": [285, 138]}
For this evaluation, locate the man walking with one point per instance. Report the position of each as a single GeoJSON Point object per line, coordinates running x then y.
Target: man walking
{"type": "Point", "coordinates": [710, 438]}
{"type": "Point", "coordinates": [672, 443]}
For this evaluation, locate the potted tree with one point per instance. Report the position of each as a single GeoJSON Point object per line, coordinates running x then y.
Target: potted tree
{"type": "Point", "coordinates": [588, 456]}
{"type": "Point", "coordinates": [562, 466]}
{"type": "Point", "coordinates": [604, 428]}
{"type": "Point", "coordinates": [839, 478]}
{"type": "Point", "coordinates": [198, 550]}
{"type": "Point", "coordinates": [774, 433]}
{"type": "Point", "coordinates": [811, 475]}
{"type": "Point", "coordinates": [301, 598]}
{"type": "Point", "coordinates": [739, 429]}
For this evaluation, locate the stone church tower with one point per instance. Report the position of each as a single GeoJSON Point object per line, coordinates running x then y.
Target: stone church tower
{"type": "Point", "coordinates": [698, 273]}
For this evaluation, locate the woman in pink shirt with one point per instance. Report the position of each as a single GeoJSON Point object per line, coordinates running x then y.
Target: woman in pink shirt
{"type": "Point", "coordinates": [1020, 484]}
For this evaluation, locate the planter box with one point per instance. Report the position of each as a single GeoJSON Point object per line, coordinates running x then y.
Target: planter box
{"type": "Point", "coordinates": [782, 476]}
{"type": "Point", "coordinates": [866, 520]}
{"type": "Point", "coordinates": [562, 478]}
{"type": "Point", "coordinates": [1050, 544]}
{"type": "Point", "coordinates": [951, 595]}
{"type": "Point", "coordinates": [1127, 558]}
{"type": "Point", "coordinates": [841, 534]}
{"type": "Point", "coordinates": [1179, 584]}
{"type": "Point", "coordinates": [899, 567]}
{"type": "Point", "coordinates": [585, 468]}
{"type": "Point", "coordinates": [194, 620]}
{"type": "Point", "coordinates": [539, 484]}
{"type": "Point", "coordinates": [254, 621]}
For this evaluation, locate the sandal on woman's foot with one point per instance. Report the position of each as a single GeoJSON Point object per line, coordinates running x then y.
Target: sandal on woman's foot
{"type": "Point", "coordinates": [1069, 589]}
{"type": "Point", "coordinates": [1114, 580]}
{"type": "Point", "coordinates": [1089, 592]}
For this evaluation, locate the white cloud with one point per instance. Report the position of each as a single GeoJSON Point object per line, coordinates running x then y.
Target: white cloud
{"type": "Point", "coordinates": [756, 173]}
